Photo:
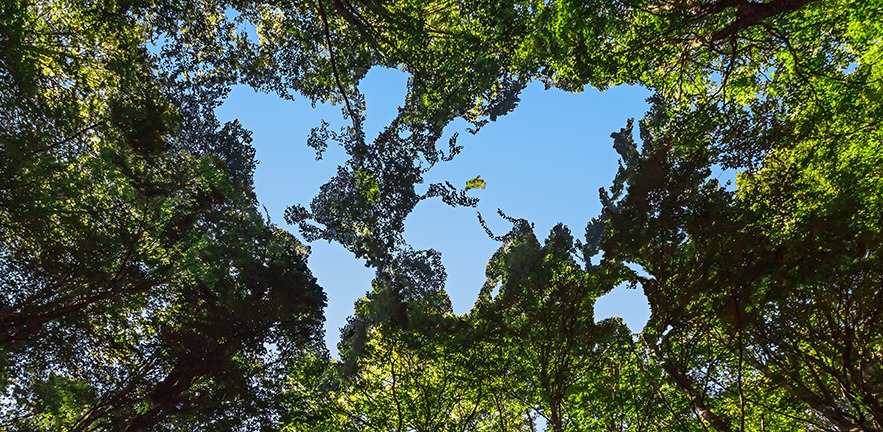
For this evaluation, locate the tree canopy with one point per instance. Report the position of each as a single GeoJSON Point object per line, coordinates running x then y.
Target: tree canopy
{"type": "Point", "coordinates": [142, 289]}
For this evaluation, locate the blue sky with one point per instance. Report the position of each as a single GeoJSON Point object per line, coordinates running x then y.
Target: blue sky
{"type": "Point", "coordinates": [544, 162]}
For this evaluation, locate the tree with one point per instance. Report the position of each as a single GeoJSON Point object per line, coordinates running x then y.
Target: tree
{"type": "Point", "coordinates": [174, 294]}
{"type": "Point", "coordinates": [711, 258]}
{"type": "Point", "coordinates": [575, 373]}
{"type": "Point", "coordinates": [397, 387]}
{"type": "Point", "coordinates": [141, 287]}
{"type": "Point", "coordinates": [132, 252]}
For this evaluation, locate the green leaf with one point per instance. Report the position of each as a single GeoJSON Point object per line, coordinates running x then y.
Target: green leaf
{"type": "Point", "coordinates": [476, 183]}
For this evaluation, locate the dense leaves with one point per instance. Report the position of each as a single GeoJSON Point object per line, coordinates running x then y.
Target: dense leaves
{"type": "Point", "coordinates": [143, 290]}
{"type": "Point", "coordinates": [754, 291]}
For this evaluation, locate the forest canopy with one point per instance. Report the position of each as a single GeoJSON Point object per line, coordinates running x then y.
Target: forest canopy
{"type": "Point", "coordinates": [142, 288]}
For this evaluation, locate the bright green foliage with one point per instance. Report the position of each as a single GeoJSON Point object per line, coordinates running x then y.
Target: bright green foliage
{"type": "Point", "coordinates": [397, 388]}
{"type": "Point", "coordinates": [817, 208]}
{"type": "Point", "coordinates": [546, 300]}
{"type": "Point", "coordinates": [476, 183]}
{"type": "Point", "coordinates": [142, 290]}
{"type": "Point", "coordinates": [786, 336]}
{"type": "Point", "coordinates": [551, 355]}
{"type": "Point", "coordinates": [368, 185]}
{"type": "Point", "coordinates": [529, 352]}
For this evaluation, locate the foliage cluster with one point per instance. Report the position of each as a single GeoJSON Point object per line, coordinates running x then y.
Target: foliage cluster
{"type": "Point", "coordinates": [141, 289]}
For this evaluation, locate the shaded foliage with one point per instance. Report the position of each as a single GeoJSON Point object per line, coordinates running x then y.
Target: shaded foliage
{"type": "Point", "coordinates": [142, 290]}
